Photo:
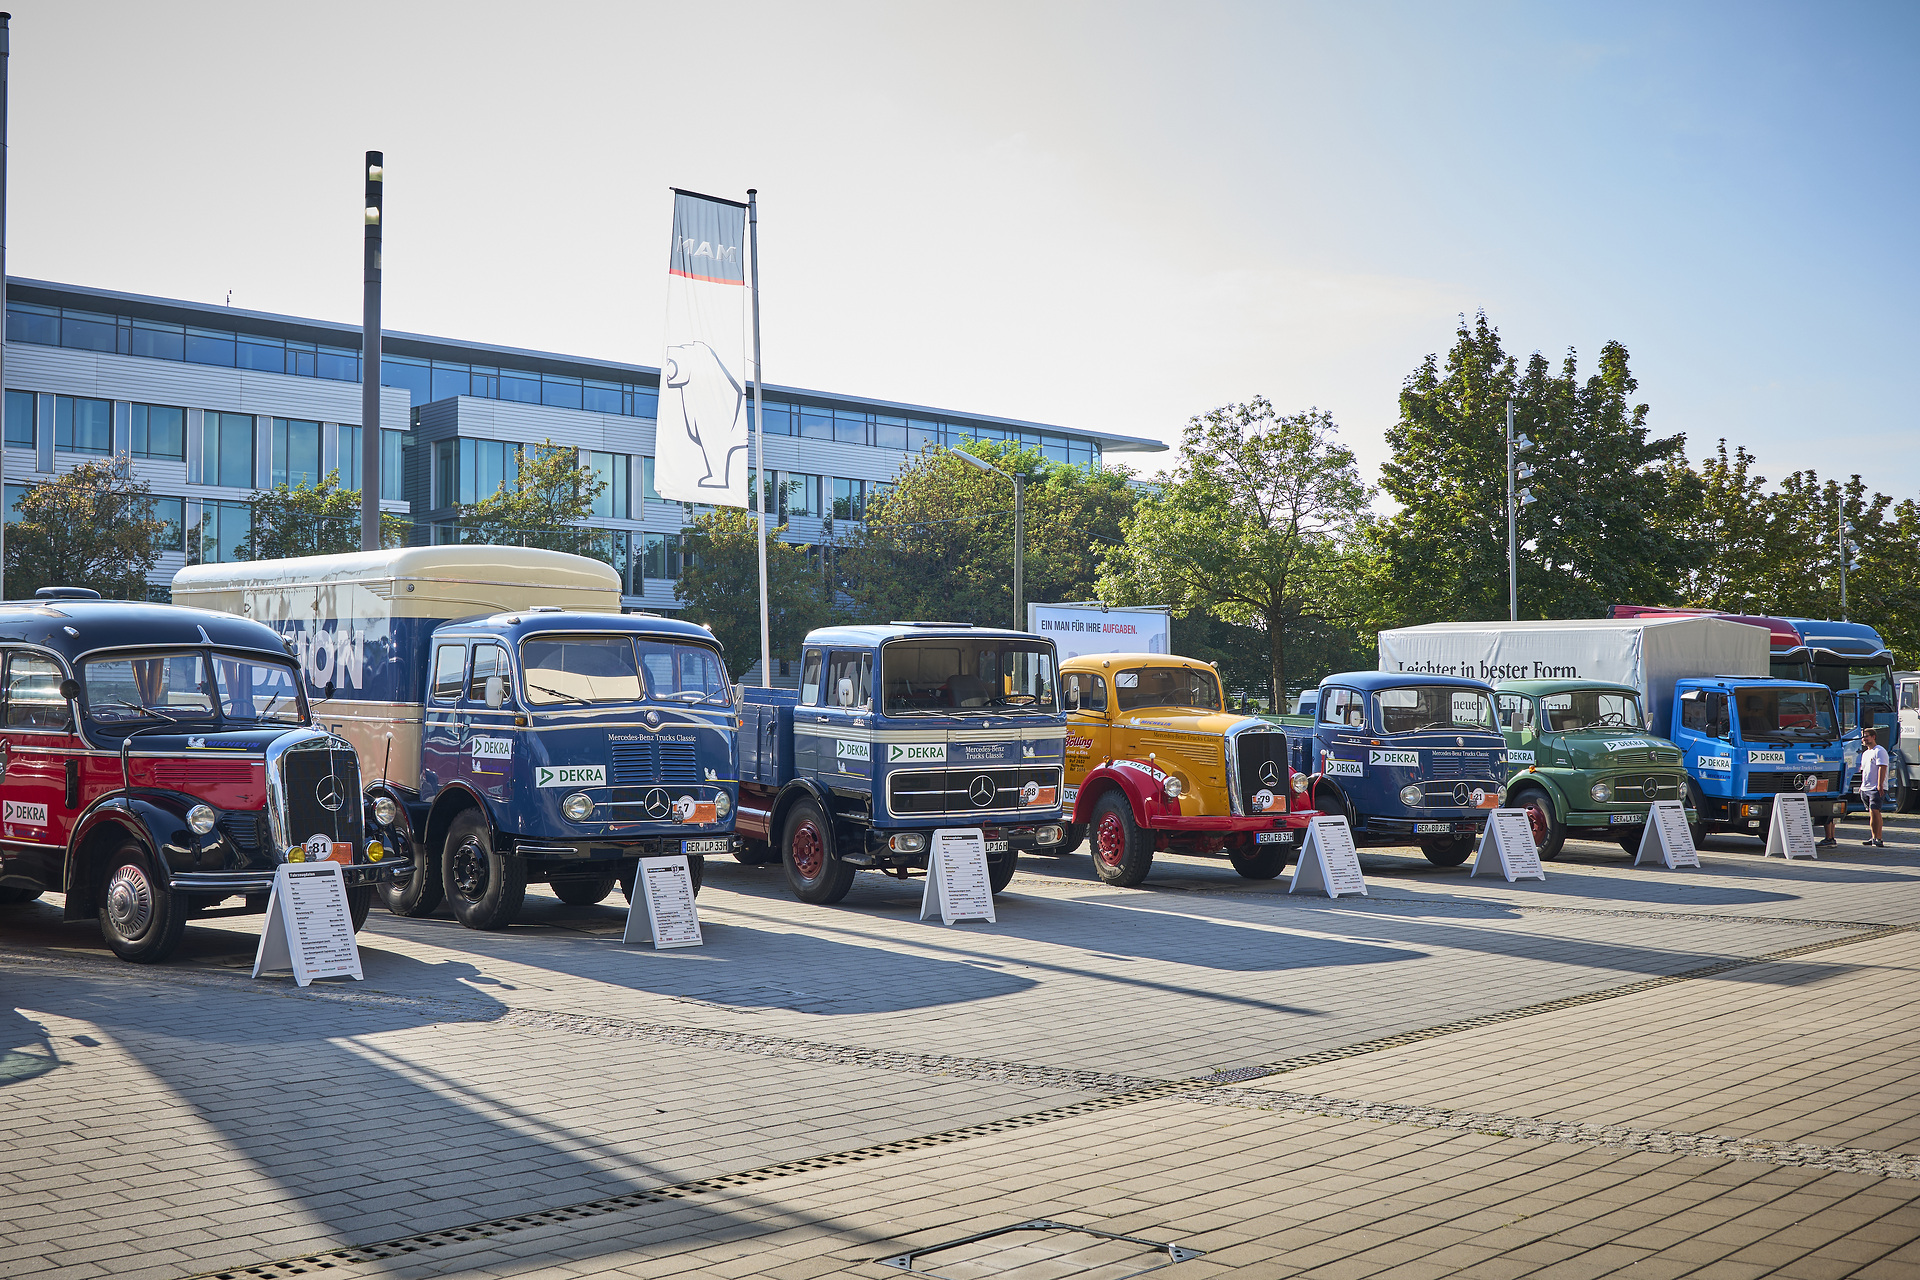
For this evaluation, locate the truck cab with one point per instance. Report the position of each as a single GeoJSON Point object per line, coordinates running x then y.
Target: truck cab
{"type": "Point", "coordinates": [1582, 761]}
{"type": "Point", "coordinates": [1747, 739]}
{"type": "Point", "coordinates": [1904, 750]}
{"type": "Point", "coordinates": [1156, 763]}
{"type": "Point", "coordinates": [1406, 758]}
{"type": "Point", "coordinates": [895, 732]}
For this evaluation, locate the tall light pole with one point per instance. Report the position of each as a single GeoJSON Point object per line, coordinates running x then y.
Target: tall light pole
{"type": "Point", "coordinates": [1517, 471]}
{"type": "Point", "coordinates": [370, 358]}
{"type": "Point", "coordinates": [1019, 532]}
{"type": "Point", "coordinates": [6, 54]}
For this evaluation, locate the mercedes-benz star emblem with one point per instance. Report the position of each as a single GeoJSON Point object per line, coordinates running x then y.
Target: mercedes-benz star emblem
{"type": "Point", "coordinates": [1652, 788]}
{"type": "Point", "coordinates": [330, 794]}
{"type": "Point", "coordinates": [1269, 774]}
{"type": "Point", "coordinates": [1462, 794]}
{"type": "Point", "coordinates": [981, 791]}
{"type": "Point", "coordinates": [657, 804]}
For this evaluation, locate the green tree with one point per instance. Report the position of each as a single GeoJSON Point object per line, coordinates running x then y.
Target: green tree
{"type": "Point", "coordinates": [92, 527]}
{"type": "Point", "coordinates": [311, 520]}
{"type": "Point", "coordinates": [554, 494]}
{"type": "Point", "coordinates": [721, 586]}
{"type": "Point", "coordinates": [1253, 526]}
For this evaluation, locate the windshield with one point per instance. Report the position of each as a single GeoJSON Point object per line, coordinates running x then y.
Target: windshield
{"type": "Point", "coordinates": [1590, 709]}
{"type": "Point", "coordinates": [185, 686]}
{"type": "Point", "coordinates": [1785, 713]}
{"type": "Point", "coordinates": [955, 672]}
{"type": "Point", "coordinates": [683, 672]}
{"type": "Point", "coordinates": [1433, 707]}
{"type": "Point", "coordinates": [614, 668]}
{"type": "Point", "coordinates": [1167, 687]}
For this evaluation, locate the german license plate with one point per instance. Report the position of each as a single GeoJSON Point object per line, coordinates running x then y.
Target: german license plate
{"type": "Point", "coordinates": [1432, 828]}
{"type": "Point", "coordinates": [1273, 837]}
{"type": "Point", "coordinates": [996, 846]}
{"type": "Point", "coordinates": [718, 844]}
{"type": "Point", "coordinates": [1625, 819]}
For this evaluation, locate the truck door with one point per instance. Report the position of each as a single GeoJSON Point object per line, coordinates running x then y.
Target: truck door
{"type": "Point", "coordinates": [42, 754]}
{"type": "Point", "coordinates": [807, 717]}
{"type": "Point", "coordinates": [1909, 736]}
{"type": "Point", "coordinates": [1339, 738]}
{"type": "Point", "coordinates": [1704, 734]}
{"type": "Point", "coordinates": [486, 720]}
{"type": "Point", "coordinates": [442, 736]}
{"type": "Point", "coordinates": [846, 720]}
{"type": "Point", "coordinates": [1516, 722]}
{"type": "Point", "coordinates": [1089, 734]}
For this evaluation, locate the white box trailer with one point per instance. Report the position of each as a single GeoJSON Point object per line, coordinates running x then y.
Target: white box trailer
{"type": "Point", "coordinates": [1648, 653]}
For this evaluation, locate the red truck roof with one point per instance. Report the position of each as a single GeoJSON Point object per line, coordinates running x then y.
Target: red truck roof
{"type": "Point", "coordinates": [1783, 635]}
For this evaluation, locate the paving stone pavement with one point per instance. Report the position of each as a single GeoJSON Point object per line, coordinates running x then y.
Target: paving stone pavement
{"type": "Point", "coordinates": [1622, 1069]}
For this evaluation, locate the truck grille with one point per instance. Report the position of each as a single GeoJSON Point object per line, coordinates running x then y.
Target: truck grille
{"type": "Point", "coordinates": [951, 791]}
{"type": "Point", "coordinates": [1456, 793]}
{"type": "Point", "coordinates": [1254, 751]}
{"type": "Point", "coordinates": [304, 772]}
{"type": "Point", "coordinates": [244, 830]}
{"type": "Point", "coordinates": [1645, 786]}
{"type": "Point", "coordinates": [648, 761]}
{"type": "Point", "coordinates": [1470, 765]}
{"type": "Point", "coordinates": [1771, 783]}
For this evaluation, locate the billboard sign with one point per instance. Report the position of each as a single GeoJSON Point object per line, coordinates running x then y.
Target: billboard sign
{"type": "Point", "coordinates": [1087, 628]}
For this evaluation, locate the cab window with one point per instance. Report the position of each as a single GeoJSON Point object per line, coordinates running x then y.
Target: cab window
{"type": "Point", "coordinates": [1516, 712]}
{"type": "Point", "coordinates": [1910, 696]}
{"type": "Point", "coordinates": [33, 693]}
{"type": "Point", "coordinates": [1705, 713]}
{"type": "Point", "coordinates": [1343, 707]}
{"type": "Point", "coordinates": [489, 660]}
{"type": "Point", "coordinates": [849, 678]}
{"type": "Point", "coordinates": [589, 668]}
{"type": "Point", "coordinates": [1085, 691]}
{"type": "Point", "coordinates": [810, 679]}
{"type": "Point", "coordinates": [449, 665]}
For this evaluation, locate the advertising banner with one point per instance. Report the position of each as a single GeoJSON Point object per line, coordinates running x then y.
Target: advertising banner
{"type": "Point", "coordinates": [700, 447]}
{"type": "Point", "coordinates": [1077, 628]}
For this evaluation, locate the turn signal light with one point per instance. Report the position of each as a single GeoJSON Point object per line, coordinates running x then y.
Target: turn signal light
{"type": "Point", "coordinates": [375, 851]}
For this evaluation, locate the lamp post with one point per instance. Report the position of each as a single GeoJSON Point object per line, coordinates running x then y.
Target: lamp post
{"type": "Point", "coordinates": [370, 356]}
{"type": "Point", "coordinates": [1019, 532]}
{"type": "Point", "coordinates": [1517, 473]}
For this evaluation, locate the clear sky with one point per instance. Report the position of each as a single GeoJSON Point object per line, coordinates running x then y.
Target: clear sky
{"type": "Point", "coordinates": [1102, 215]}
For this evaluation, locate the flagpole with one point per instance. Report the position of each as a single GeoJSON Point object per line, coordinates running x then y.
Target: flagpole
{"type": "Point", "coordinates": [759, 442]}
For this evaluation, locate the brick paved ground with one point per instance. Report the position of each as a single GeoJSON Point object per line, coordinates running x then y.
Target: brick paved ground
{"type": "Point", "coordinates": [1635, 1070]}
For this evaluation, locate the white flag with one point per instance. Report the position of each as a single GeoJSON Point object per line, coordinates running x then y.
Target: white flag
{"type": "Point", "coordinates": [700, 446]}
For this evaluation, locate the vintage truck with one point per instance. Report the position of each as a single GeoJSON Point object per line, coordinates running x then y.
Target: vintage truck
{"type": "Point", "coordinates": [514, 726]}
{"type": "Point", "coordinates": [1155, 763]}
{"type": "Point", "coordinates": [158, 762]}
{"type": "Point", "coordinates": [895, 732]}
{"type": "Point", "coordinates": [1407, 758]}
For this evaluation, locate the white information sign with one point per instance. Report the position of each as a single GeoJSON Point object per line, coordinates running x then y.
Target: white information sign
{"type": "Point", "coordinates": [1328, 863]}
{"type": "Point", "coordinates": [309, 926]}
{"type": "Point", "coordinates": [957, 883]}
{"type": "Point", "coordinates": [1790, 833]}
{"type": "Point", "coordinates": [1668, 838]}
{"type": "Point", "coordinates": [666, 914]}
{"type": "Point", "coordinates": [1087, 628]}
{"type": "Point", "coordinates": [1506, 847]}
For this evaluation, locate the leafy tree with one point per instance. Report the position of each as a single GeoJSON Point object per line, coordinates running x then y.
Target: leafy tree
{"type": "Point", "coordinates": [1253, 526]}
{"type": "Point", "coordinates": [544, 509]}
{"type": "Point", "coordinates": [92, 527]}
{"type": "Point", "coordinates": [721, 585]}
{"type": "Point", "coordinates": [311, 520]}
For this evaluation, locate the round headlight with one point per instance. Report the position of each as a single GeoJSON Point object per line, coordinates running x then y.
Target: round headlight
{"type": "Point", "coordinates": [1602, 792]}
{"type": "Point", "coordinates": [386, 810]}
{"type": "Point", "coordinates": [1410, 796]}
{"type": "Point", "coordinates": [201, 819]}
{"type": "Point", "coordinates": [578, 807]}
{"type": "Point", "coordinates": [1300, 784]}
{"type": "Point", "coordinates": [721, 805]}
{"type": "Point", "coordinates": [1173, 787]}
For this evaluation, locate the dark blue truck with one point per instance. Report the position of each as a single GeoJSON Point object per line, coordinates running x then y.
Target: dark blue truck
{"type": "Point", "coordinates": [895, 732]}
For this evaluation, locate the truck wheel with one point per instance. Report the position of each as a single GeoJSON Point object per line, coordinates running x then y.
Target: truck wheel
{"type": "Point", "coordinates": [419, 892]}
{"type": "Point", "coordinates": [1076, 834]}
{"type": "Point", "coordinates": [1549, 833]}
{"type": "Point", "coordinates": [359, 903]}
{"type": "Point", "coordinates": [1448, 853]}
{"type": "Point", "coordinates": [1697, 801]}
{"type": "Point", "coordinates": [1260, 862]}
{"type": "Point", "coordinates": [806, 851]}
{"type": "Point", "coordinates": [696, 868]}
{"type": "Point", "coordinates": [1904, 799]}
{"type": "Point", "coordinates": [484, 887]}
{"type": "Point", "coordinates": [755, 853]}
{"type": "Point", "coordinates": [142, 921]}
{"type": "Point", "coordinates": [1122, 852]}
{"type": "Point", "coordinates": [1000, 874]}
{"type": "Point", "coordinates": [582, 891]}
{"type": "Point", "coordinates": [11, 897]}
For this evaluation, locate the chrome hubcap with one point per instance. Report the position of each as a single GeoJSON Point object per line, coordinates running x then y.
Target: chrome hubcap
{"type": "Point", "coordinates": [129, 902]}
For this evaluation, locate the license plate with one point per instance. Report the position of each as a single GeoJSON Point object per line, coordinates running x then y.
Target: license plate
{"type": "Point", "coordinates": [1273, 837]}
{"type": "Point", "coordinates": [996, 846]}
{"type": "Point", "coordinates": [1625, 819]}
{"type": "Point", "coordinates": [1432, 828]}
{"type": "Point", "coordinates": [718, 844]}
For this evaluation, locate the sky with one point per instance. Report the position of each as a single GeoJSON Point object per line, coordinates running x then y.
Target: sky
{"type": "Point", "coordinates": [1110, 216]}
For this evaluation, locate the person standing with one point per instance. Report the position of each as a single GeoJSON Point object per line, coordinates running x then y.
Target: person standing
{"type": "Point", "coordinates": [1874, 765]}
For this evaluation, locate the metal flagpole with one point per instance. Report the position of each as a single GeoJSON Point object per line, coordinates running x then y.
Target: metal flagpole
{"type": "Point", "coordinates": [759, 442]}
{"type": "Point", "coordinates": [1513, 529]}
{"type": "Point", "coordinates": [6, 55]}
{"type": "Point", "coordinates": [370, 358]}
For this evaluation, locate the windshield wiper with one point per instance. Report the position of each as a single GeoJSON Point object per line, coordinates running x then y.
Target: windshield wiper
{"type": "Point", "coordinates": [555, 692]}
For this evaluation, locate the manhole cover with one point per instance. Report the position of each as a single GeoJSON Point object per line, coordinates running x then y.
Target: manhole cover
{"type": "Point", "coordinates": [1042, 1250]}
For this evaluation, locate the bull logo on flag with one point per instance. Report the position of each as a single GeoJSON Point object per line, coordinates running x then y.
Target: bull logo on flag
{"type": "Point", "coordinates": [707, 401]}
{"type": "Point", "coordinates": [703, 418]}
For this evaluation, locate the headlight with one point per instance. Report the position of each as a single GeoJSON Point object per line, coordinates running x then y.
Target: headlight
{"type": "Point", "coordinates": [375, 851]}
{"type": "Point", "coordinates": [721, 805]}
{"type": "Point", "coordinates": [1411, 796]}
{"type": "Point", "coordinates": [1602, 792]}
{"type": "Point", "coordinates": [201, 819]}
{"type": "Point", "coordinates": [1299, 784]}
{"type": "Point", "coordinates": [386, 810]}
{"type": "Point", "coordinates": [907, 842]}
{"type": "Point", "coordinates": [578, 807]}
{"type": "Point", "coordinates": [1173, 787]}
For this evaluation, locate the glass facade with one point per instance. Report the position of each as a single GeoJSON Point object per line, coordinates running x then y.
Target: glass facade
{"type": "Point", "coordinates": [227, 449]}
{"type": "Point", "coordinates": [296, 453]}
{"type": "Point", "coordinates": [471, 471]}
{"type": "Point", "coordinates": [612, 470]}
{"type": "Point", "coordinates": [217, 535]}
{"type": "Point", "coordinates": [82, 425]}
{"type": "Point", "coordinates": [21, 407]}
{"type": "Point", "coordinates": [392, 467]}
{"type": "Point", "coordinates": [159, 431]}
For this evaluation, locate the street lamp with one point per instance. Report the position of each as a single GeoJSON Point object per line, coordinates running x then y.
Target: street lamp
{"type": "Point", "coordinates": [1019, 531]}
{"type": "Point", "coordinates": [1518, 472]}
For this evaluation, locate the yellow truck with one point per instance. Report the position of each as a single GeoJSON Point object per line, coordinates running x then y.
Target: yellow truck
{"type": "Point", "coordinates": [1156, 762]}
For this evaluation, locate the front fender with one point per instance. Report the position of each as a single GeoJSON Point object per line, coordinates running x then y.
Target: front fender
{"type": "Point", "coordinates": [802, 788]}
{"type": "Point", "coordinates": [403, 824]}
{"type": "Point", "coordinates": [1554, 787]}
{"type": "Point", "coordinates": [1129, 777]}
{"type": "Point", "coordinates": [154, 823]}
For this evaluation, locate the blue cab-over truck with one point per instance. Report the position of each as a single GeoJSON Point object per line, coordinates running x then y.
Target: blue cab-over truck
{"type": "Point", "coordinates": [1749, 739]}
{"type": "Point", "coordinates": [896, 732]}
{"type": "Point", "coordinates": [1407, 759]}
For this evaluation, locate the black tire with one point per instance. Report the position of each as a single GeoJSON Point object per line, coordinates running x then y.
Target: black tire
{"type": "Point", "coordinates": [1905, 798]}
{"type": "Point", "coordinates": [1122, 851]}
{"type": "Point", "coordinates": [1631, 843]}
{"type": "Point", "coordinates": [806, 852]}
{"type": "Point", "coordinates": [582, 891]}
{"type": "Point", "coordinates": [418, 893]}
{"type": "Point", "coordinates": [1549, 833]}
{"type": "Point", "coordinates": [1696, 801]}
{"type": "Point", "coordinates": [484, 887]}
{"type": "Point", "coordinates": [696, 870]}
{"type": "Point", "coordinates": [1076, 836]}
{"type": "Point", "coordinates": [1261, 861]}
{"type": "Point", "coordinates": [756, 853]}
{"type": "Point", "coordinates": [1000, 874]}
{"type": "Point", "coordinates": [1449, 853]}
{"type": "Point", "coordinates": [359, 903]}
{"type": "Point", "coordinates": [12, 897]}
{"type": "Point", "coordinates": [141, 921]}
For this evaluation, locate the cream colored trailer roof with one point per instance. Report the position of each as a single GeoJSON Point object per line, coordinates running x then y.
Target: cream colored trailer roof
{"type": "Point", "coordinates": [463, 579]}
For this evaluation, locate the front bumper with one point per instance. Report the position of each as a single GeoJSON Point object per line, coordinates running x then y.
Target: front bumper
{"type": "Point", "coordinates": [1019, 839]}
{"type": "Point", "coordinates": [1617, 817]}
{"type": "Point", "coordinates": [703, 844]}
{"type": "Point", "coordinates": [1229, 823]}
{"type": "Point", "coordinates": [1440, 826]}
{"type": "Point", "coordinates": [253, 882]}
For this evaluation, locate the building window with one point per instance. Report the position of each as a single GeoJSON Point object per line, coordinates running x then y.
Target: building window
{"type": "Point", "coordinates": [849, 499]}
{"type": "Point", "coordinates": [222, 527]}
{"type": "Point", "coordinates": [392, 445]}
{"type": "Point", "coordinates": [172, 513]}
{"type": "Point", "coordinates": [647, 492]}
{"type": "Point", "coordinates": [472, 471]}
{"type": "Point", "coordinates": [601, 397]}
{"type": "Point", "coordinates": [611, 469]}
{"type": "Point", "coordinates": [799, 495]}
{"type": "Point", "coordinates": [296, 453]}
{"type": "Point", "coordinates": [81, 425]}
{"type": "Point", "coordinates": [660, 556]}
{"type": "Point", "coordinates": [20, 414]}
{"type": "Point", "coordinates": [15, 492]}
{"type": "Point", "coordinates": [159, 431]}
{"type": "Point", "coordinates": [229, 449]}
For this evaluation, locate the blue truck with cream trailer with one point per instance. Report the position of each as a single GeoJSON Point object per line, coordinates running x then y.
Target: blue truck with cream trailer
{"type": "Point", "coordinates": [512, 724]}
{"type": "Point", "coordinates": [895, 732]}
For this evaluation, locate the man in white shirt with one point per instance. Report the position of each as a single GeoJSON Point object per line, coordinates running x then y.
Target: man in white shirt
{"type": "Point", "coordinates": [1874, 766]}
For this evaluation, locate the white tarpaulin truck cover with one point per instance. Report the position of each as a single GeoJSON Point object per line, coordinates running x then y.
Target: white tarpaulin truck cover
{"type": "Point", "coordinates": [1647, 653]}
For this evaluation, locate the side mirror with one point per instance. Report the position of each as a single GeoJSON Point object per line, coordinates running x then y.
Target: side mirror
{"type": "Point", "coordinates": [1073, 697]}
{"type": "Point", "coordinates": [329, 692]}
{"type": "Point", "coordinates": [845, 691]}
{"type": "Point", "coordinates": [69, 689]}
{"type": "Point", "coordinates": [496, 692]}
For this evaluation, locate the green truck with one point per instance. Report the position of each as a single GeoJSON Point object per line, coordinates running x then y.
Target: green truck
{"type": "Point", "coordinates": [1581, 762]}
